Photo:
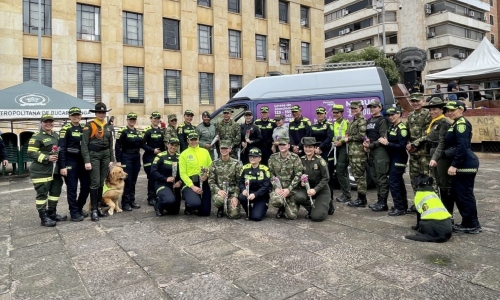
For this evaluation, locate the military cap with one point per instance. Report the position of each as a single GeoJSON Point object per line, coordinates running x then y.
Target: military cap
{"type": "Point", "coordinates": [47, 117]}
{"type": "Point", "coordinates": [172, 117]}
{"type": "Point", "coordinates": [100, 107]}
{"type": "Point", "coordinates": [188, 112]}
{"type": "Point", "coordinates": [255, 152]}
{"type": "Point", "coordinates": [416, 97]}
{"type": "Point", "coordinates": [309, 141]}
{"type": "Point", "coordinates": [225, 144]}
{"type": "Point", "coordinates": [393, 111]}
{"type": "Point", "coordinates": [155, 115]}
{"type": "Point", "coordinates": [192, 136]}
{"type": "Point", "coordinates": [75, 111]}
{"type": "Point", "coordinates": [279, 117]}
{"type": "Point", "coordinates": [295, 108]}
{"type": "Point", "coordinates": [227, 110]}
{"type": "Point", "coordinates": [338, 108]}
{"type": "Point", "coordinates": [173, 140]}
{"type": "Point", "coordinates": [205, 114]}
{"type": "Point", "coordinates": [320, 110]}
{"type": "Point", "coordinates": [264, 109]}
{"type": "Point", "coordinates": [356, 104]}
{"type": "Point", "coordinates": [374, 103]}
{"type": "Point", "coordinates": [131, 116]}
{"type": "Point", "coordinates": [452, 105]}
{"type": "Point", "coordinates": [283, 141]}
{"type": "Point", "coordinates": [248, 113]}
{"type": "Point", "coordinates": [435, 102]}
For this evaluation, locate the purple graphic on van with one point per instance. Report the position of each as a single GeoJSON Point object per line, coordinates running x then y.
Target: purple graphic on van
{"type": "Point", "coordinates": [309, 108]}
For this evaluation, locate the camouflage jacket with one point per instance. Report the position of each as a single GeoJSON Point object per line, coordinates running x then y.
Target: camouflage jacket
{"type": "Point", "coordinates": [288, 169]}
{"type": "Point", "coordinates": [417, 124]}
{"type": "Point", "coordinates": [228, 171]}
{"type": "Point", "coordinates": [229, 131]}
{"type": "Point", "coordinates": [356, 132]}
{"type": "Point", "coordinates": [170, 132]}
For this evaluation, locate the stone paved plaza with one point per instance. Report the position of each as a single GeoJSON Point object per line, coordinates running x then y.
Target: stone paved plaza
{"type": "Point", "coordinates": [354, 254]}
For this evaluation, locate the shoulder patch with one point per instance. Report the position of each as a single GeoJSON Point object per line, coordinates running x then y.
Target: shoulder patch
{"type": "Point", "coordinates": [404, 132]}
{"type": "Point", "coordinates": [402, 125]}
{"type": "Point", "coordinates": [461, 128]}
{"type": "Point", "coordinates": [322, 161]}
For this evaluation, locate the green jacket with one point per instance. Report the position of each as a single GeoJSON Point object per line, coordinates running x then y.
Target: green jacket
{"type": "Point", "coordinates": [40, 147]}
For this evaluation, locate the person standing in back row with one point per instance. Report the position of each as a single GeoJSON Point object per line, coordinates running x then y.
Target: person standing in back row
{"type": "Point", "coordinates": [266, 126]}
{"type": "Point", "coordinates": [185, 128]}
{"type": "Point", "coordinates": [153, 144]}
{"type": "Point", "coordinates": [322, 131]}
{"type": "Point", "coordinates": [300, 127]}
{"type": "Point", "coordinates": [250, 136]}
{"type": "Point", "coordinates": [338, 159]}
{"type": "Point", "coordinates": [229, 130]}
{"type": "Point", "coordinates": [206, 132]}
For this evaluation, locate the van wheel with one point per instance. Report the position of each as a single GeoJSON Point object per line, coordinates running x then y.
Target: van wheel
{"type": "Point", "coordinates": [370, 184]}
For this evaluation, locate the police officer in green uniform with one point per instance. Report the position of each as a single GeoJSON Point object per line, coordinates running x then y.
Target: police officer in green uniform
{"type": "Point", "coordinates": [266, 126]}
{"type": "Point", "coordinates": [98, 155]}
{"type": "Point", "coordinates": [316, 169]}
{"type": "Point", "coordinates": [356, 134]}
{"type": "Point", "coordinates": [128, 156]}
{"type": "Point", "coordinates": [185, 128]}
{"type": "Point", "coordinates": [322, 131]}
{"type": "Point", "coordinates": [299, 128]}
{"type": "Point", "coordinates": [338, 158]}
{"type": "Point", "coordinates": [152, 144]}
{"type": "Point", "coordinates": [378, 159]}
{"type": "Point", "coordinates": [44, 172]}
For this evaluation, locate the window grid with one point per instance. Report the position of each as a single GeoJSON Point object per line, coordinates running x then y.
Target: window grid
{"type": "Point", "coordinates": [492, 22]}
{"type": "Point", "coordinates": [30, 71]}
{"type": "Point", "coordinates": [132, 29]}
{"type": "Point", "coordinates": [88, 22]}
{"type": "Point", "coordinates": [30, 16]}
{"type": "Point", "coordinates": [260, 8]}
{"type": "Point", "coordinates": [284, 51]}
{"type": "Point", "coordinates": [133, 85]}
{"type": "Point", "coordinates": [172, 86]}
{"type": "Point", "coordinates": [171, 34]}
{"type": "Point", "coordinates": [305, 53]}
{"type": "Point", "coordinates": [89, 82]}
{"type": "Point", "coordinates": [283, 12]}
{"type": "Point", "coordinates": [492, 40]}
{"type": "Point", "coordinates": [206, 88]}
{"type": "Point", "coordinates": [233, 6]}
{"type": "Point", "coordinates": [235, 84]}
{"type": "Point", "coordinates": [234, 43]}
{"type": "Point", "coordinates": [205, 3]}
{"type": "Point", "coordinates": [204, 39]}
{"type": "Point", "coordinates": [304, 16]}
{"type": "Point", "coordinates": [260, 47]}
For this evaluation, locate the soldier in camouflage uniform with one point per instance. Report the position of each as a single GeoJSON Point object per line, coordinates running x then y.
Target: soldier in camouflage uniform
{"type": "Point", "coordinates": [171, 131]}
{"type": "Point", "coordinates": [418, 122]}
{"type": "Point", "coordinates": [44, 172]}
{"type": "Point", "coordinates": [355, 135]}
{"type": "Point", "coordinates": [287, 167]}
{"type": "Point", "coordinates": [225, 169]}
{"type": "Point", "coordinates": [229, 130]}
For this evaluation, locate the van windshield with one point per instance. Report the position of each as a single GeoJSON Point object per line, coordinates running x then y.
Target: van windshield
{"type": "Point", "coordinates": [237, 114]}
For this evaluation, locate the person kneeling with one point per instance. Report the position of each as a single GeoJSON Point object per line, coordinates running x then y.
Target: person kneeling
{"type": "Point", "coordinates": [254, 186]}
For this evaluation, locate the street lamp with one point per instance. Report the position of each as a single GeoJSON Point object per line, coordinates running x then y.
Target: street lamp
{"type": "Point", "coordinates": [380, 4]}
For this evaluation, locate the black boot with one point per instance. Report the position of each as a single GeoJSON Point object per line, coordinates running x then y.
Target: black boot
{"type": "Point", "coordinates": [331, 208]}
{"type": "Point", "coordinates": [411, 210]}
{"type": "Point", "coordinates": [220, 212]}
{"type": "Point", "coordinates": [308, 216]}
{"type": "Point", "coordinates": [45, 220]}
{"type": "Point", "coordinates": [447, 200]}
{"type": "Point", "coordinates": [94, 202]}
{"type": "Point", "coordinates": [51, 213]}
{"type": "Point", "coordinates": [281, 212]}
{"type": "Point", "coordinates": [343, 199]}
{"type": "Point", "coordinates": [158, 212]}
{"type": "Point", "coordinates": [99, 200]}
{"type": "Point", "coordinates": [381, 205]}
{"type": "Point", "coordinates": [360, 202]}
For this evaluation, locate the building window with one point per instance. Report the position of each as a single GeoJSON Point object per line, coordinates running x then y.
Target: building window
{"type": "Point", "coordinates": [171, 34]}
{"type": "Point", "coordinates": [234, 43]}
{"type": "Point", "coordinates": [491, 2]}
{"type": "Point", "coordinates": [132, 29]}
{"type": "Point", "coordinates": [206, 88]}
{"type": "Point", "coordinates": [492, 20]}
{"type": "Point", "coordinates": [234, 84]}
{"type": "Point", "coordinates": [284, 51]}
{"type": "Point", "coordinates": [88, 22]}
{"type": "Point", "coordinates": [89, 82]}
{"type": "Point", "coordinates": [30, 71]}
{"type": "Point", "coordinates": [283, 11]}
{"type": "Point", "coordinates": [30, 16]}
{"type": "Point", "coordinates": [233, 6]}
{"type": "Point", "coordinates": [133, 85]}
{"type": "Point", "coordinates": [305, 53]}
{"type": "Point", "coordinates": [304, 16]}
{"type": "Point", "coordinates": [260, 47]}
{"type": "Point", "coordinates": [492, 39]}
{"type": "Point", "coordinates": [260, 8]}
{"type": "Point", "coordinates": [204, 3]}
{"type": "Point", "coordinates": [172, 86]}
{"type": "Point", "coordinates": [204, 39]}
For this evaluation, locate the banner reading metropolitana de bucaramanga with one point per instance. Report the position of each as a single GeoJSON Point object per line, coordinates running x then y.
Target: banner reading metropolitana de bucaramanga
{"type": "Point", "coordinates": [13, 114]}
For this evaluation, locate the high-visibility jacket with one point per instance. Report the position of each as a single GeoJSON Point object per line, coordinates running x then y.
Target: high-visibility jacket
{"type": "Point", "coordinates": [190, 162]}
{"type": "Point", "coordinates": [430, 206]}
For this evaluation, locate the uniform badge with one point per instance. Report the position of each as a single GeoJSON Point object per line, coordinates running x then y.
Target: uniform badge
{"type": "Point", "coordinates": [404, 132]}
{"type": "Point", "coordinates": [315, 166]}
{"type": "Point", "coordinates": [323, 162]}
{"type": "Point", "coordinates": [461, 128]}
{"type": "Point", "coordinates": [261, 174]}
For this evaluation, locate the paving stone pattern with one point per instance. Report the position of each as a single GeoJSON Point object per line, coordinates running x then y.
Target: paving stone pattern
{"type": "Point", "coordinates": [354, 254]}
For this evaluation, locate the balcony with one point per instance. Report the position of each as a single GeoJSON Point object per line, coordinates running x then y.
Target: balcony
{"type": "Point", "coordinates": [477, 4]}
{"type": "Point", "coordinates": [361, 34]}
{"type": "Point", "coordinates": [448, 39]}
{"type": "Point", "coordinates": [442, 64]}
{"type": "Point", "coordinates": [449, 17]}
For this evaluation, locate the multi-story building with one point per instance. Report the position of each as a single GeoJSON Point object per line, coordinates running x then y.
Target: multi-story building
{"type": "Point", "coordinates": [449, 30]}
{"type": "Point", "coordinates": [165, 55]}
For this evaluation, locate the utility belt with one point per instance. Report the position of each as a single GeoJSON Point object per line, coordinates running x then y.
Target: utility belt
{"type": "Point", "coordinates": [131, 151]}
{"type": "Point", "coordinates": [73, 151]}
{"type": "Point", "coordinates": [93, 147]}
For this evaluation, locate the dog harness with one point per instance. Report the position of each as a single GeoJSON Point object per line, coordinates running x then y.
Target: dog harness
{"type": "Point", "coordinates": [430, 206]}
{"type": "Point", "coordinates": [106, 188]}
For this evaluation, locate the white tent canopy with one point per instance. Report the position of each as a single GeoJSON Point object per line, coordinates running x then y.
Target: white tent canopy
{"type": "Point", "coordinates": [483, 64]}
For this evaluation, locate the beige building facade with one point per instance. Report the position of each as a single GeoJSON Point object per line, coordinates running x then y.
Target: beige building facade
{"type": "Point", "coordinates": [157, 55]}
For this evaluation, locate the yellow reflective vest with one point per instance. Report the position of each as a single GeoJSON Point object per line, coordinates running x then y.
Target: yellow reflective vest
{"type": "Point", "coordinates": [430, 207]}
{"type": "Point", "coordinates": [190, 162]}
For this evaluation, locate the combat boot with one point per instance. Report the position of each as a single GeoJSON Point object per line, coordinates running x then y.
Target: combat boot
{"type": "Point", "coordinates": [308, 216]}
{"type": "Point", "coordinates": [94, 202]}
{"type": "Point", "coordinates": [331, 208]}
{"type": "Point", "coordinates": [45, 220]}
{"type": "Point", "coordinates": [220, 212]}
{"type": "Point", "coordinates": [99, 200]}
{"type": "Point", "coordinates": [360, 202]}
{"type": "Point", "coordinates": [281, 213]}
{"type": "Point", "coordinates": [381, 205]}
{"type": "Point", "coordinates": [51, 213]}
{"type": "Point", "coordinates": [343, 199]}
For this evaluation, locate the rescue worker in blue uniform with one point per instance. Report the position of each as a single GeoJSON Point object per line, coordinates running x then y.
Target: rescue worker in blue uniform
{"type": "Point", "coordinates": [152, 144]}
{"type": "Point", "coordinates": [463, 169]}
{"type": "Point", "coordinates": [300, 127]}
{"type": "Point", "coordinates": [395, 144]}
{"type": "Point", "coordinates": [266, 126]}
{"type": "Point", "coordinates": [322, 131]}
{"type": "Point", "coordinates": [184, 129]}
{"type": "Point", "coordinates": [167, 184]}
{"type": "Point", "coordinates": [128, 156]}
{"type": "Point", "coordinates": [250, 136]}
{"type": "Point", "coordinates": [71, 165]}
{"type": "Point", "coordinates": [258, 177]}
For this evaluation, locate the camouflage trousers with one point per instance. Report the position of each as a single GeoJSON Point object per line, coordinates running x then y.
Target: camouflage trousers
{"type": "Point", "coordinates": [358, 169]}
{"type": "Point", "coordinates": [291, 206]}
{"type": "Point", "coordinates": [419, 165]}
{"type": "Point", "coordinates": [233, 212]}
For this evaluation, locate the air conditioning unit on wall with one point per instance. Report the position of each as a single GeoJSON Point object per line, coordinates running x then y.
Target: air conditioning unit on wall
{"type": "Point", "coordinates": [437, 55]}
{"type": "Point", "coordinates": [471, 14]}
{"type": "Point", "coordinates": [461, 55]}
{"type": "Point", "coordinates": [431, 34]}
{"type": "Point", "coordinates": [348, 49]}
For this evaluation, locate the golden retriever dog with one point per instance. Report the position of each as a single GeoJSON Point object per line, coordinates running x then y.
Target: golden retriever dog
{"type": "Point", "coordinates": [113, 189]}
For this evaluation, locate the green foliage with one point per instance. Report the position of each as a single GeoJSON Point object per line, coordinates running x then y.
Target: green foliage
{"type": "Point", "coordinates": [371, 53]}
